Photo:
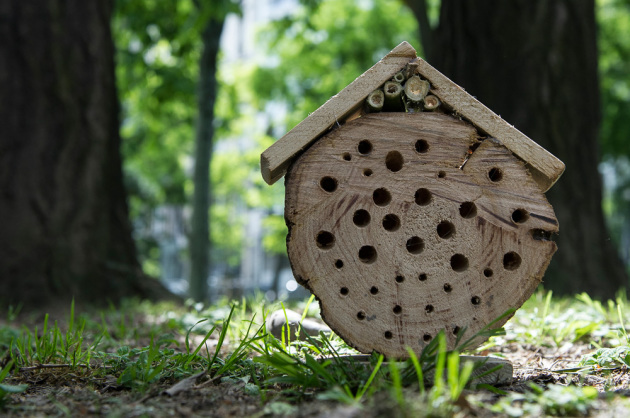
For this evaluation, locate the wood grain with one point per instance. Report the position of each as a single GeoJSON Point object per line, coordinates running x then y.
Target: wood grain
{"type": "Point", "coordinates": [480, 229]}
{"type": "Point", "coordinates": [275, 160]}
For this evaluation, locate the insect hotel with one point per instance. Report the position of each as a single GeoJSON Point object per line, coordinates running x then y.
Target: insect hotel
{"type": "Point", "coordinates": [412, 208]}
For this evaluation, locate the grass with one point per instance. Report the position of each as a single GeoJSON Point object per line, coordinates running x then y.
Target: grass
{"type": "Point", "coordinates": [569, 350]}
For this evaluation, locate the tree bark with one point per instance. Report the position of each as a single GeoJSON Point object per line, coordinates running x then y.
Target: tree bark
{"type": "Point", "coordinates": [535, 64]}
{"type": "Point", "coordinates": [199, 239]}
{"type": "Point", "coordinates": [64, 220]}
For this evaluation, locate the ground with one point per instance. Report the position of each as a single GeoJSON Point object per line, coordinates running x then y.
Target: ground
{"type": "Point", "coordinates": [537, 343]}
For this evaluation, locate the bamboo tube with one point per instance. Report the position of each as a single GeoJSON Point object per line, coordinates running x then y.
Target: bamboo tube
{"type": "Point", "coordinates": [375, 101]}
{"type": "Point", "coordinates": [393, 96]}
{"type": "Point", "coordinates": [399, 77]}
{"type": "Point", "coordinates": [416, 88]}
{"type": "Point", "coordinates": [431, 102]}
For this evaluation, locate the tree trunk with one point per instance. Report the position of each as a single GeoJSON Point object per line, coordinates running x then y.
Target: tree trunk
{"type": "Point", "coordinates": [64, 221]}
{"type": "Point", "coordinates": [534, 62]}
{"type": "Point", "coordinates": [199, 239]}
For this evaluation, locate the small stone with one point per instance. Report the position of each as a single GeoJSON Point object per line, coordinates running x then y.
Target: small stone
{"type": "Point", "coordinates": [277, 320]}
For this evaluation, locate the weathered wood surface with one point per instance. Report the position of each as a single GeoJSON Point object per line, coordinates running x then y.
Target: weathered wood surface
{"type": "Point", "coordinates": [346, 106]}
{"type": "Point", "coordinates": [399, 239]}
{"type": "Point", "coordinates": [275, 160]}
{"type": "Point", "coordinates": [549, 167]}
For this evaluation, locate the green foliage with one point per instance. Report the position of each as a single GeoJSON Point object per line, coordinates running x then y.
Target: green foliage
{"type": "Point", "coordinates": [6, 389]}
{"type": "Point", "coordinates": [554, 400]}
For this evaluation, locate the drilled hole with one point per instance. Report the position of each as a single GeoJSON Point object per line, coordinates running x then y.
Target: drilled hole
{"type": "Point", "coordinates": [423, 197]}
{"type": "Point", "coordinates": [367, 172]}
{"type": "Point", "coordinates": [374, 290]}
{"type": "Point", "coordinates": [459, 262]}
{"type": "Point", "coordinates": [400, 279]}
{"type": "Point", "coordinates": [441, 174]}
{"type": "Point", "coordinates": [428, 308]}
{"type": "Point", "coordinates": [325, 240]}
{"type": "Point", "coordinates": [422, 277]}
{"type": "Point", "coordinates": [339, 264]}
{"type": "Point", "coordinates": [361, 315]}
{"type": "Point", "coordinates": [426, 338]}
{"type": "Point", "coordinates": [475, 300]}
{"type": "Point", "coordinates": [388, 335]}
{"type": "Point", "coordinates": [397, 309]}
{"type": "Point", "coordinates": [445, 229]}
{"type": "Point", "coordinates": [415, 245]}
{"type": "Point", "coordinates": [329, 184]}
{"type": "Point", "coordinates": [365, 147]}
{"type": "Point", "coordinates": [541, 235]}
{"type": "Point", "coordinates": [468, 210]}
{"type": "Point", "coordinates": [347, 156]}
{"type": "Point", "coordinates": [520, 215]}
{"type": "Point", "coordinates": [422, 146]}
{"type": "Point", "coordinates": [344, 291]}
{"type": "Point", "coordinates": [394, 161]}
{"type": "Point", "coordinates": [361, 217]}
{"type": "Point", "coordinates": [495, 174]}
{"type": "Point", "coordinates": [447, 288]}
{"type": "Point", "coordinates": [488, 272]}
{"type": "Point", "coordinates": [511, 261]}
{"type": "Point", "coordinates": [381, 197]}
{"type": "Point", "coordinates": [456, 330]}
{"type": "Point", "coordinates": [391, 222]}
{"type": "Point", "coordinates": [367, 254]}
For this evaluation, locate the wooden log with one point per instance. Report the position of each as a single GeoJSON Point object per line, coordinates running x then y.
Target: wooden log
{"type": "Point", "coordinates": [275, 160]}
{"type": "Point", "coordinates": [399, 239]}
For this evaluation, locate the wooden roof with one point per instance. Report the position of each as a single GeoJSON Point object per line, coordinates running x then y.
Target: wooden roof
{"type": "Point", "coordinates": [274, 161]}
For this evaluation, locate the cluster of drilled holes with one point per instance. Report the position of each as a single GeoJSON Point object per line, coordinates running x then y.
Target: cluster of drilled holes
{"type": "Point", "coordinates": [364, 147]}
{"type": "Point", "coordinates": [520, 216]}
{"type": "Point", "coordinates": [381, 197]}
{"type": "Point", "coordinates": [511, 261]}
{"type": "Point", "coordinates": [441, 174]}
{"type": "Point", "coordinates": [388, 335]}
{"type": "Point", "coordinates": [367, 254]}
{"type": "Point", "coordinates": [344, 291]}
{"type": "Point", "coordinates": [445, 229]}
{"type": "Point", "coordinates": [459, 262]}
{"type": "Point", "coordinates": [361, 218]}
{"type": "Point", "coordinates": [428, 308]}
{"type": "Point", "coordinates": [422, 146]}
{"type": "Point", "coordinates": [423, 197]}
{"type": "Point", "coordinates": [391, 222]}
{"type": "Point", "coordinates": [495, 174]}
{"type": "Point", "coordinates": [361, 315]}
{"type": "Point", "coordinates": [488, 272]}
{"type": "Point", "coordinates": [448, 288]}
{"type": "Point", "coordinates": [367, 172]}
{"type": "Point", "coordinates": [338, 264]}
{"type": "Point", "coordinates": [328, 184]}
{"type": "Point", "coordinates": [400, 279]}
{"type": "Point", "coordinates": [475, 300]}
{"type": "Point", "coordinates": [397, 309]}
{"type": "Point", "coordinates": [426, 338]}
{"type": "Point", "coordinates": [415, 245]}
{"type": "Point", "coordinates": [422, 277]}
{"type": "Point", "coordinates": [394, 161]}
{"type": "Point", "coordinates": [468, 210]}
{"type": "Point", "coordinates": [325, 240]}
{"type": "Point", "coordinates": [374, 290]}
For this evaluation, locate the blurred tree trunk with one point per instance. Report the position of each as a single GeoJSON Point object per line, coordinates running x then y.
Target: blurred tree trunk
{"type": "Point", "coordinates": [534, 62]}
{"type": "Point", "coordinates": [64, 228]}
{"type": "Point", "coordinates": [200, 234]}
